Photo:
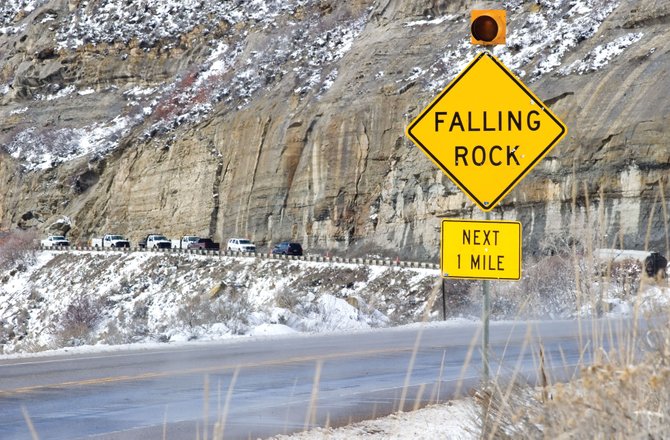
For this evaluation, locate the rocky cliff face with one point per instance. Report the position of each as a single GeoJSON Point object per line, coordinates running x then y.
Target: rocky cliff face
{"type": "Point", "coordinates": [285, 120]}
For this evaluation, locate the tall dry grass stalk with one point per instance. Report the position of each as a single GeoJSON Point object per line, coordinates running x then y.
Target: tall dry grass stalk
{"type": "Point", "coordinates": [410, 369]}
{"type": "Point", "coordinates": [219, 428]}
{"type": "Point", "coordinates": [29, 422]}
{"type": "Point", "coordinates": [666, 219]}
{"type": "Point", "coordinates": [310, 417]}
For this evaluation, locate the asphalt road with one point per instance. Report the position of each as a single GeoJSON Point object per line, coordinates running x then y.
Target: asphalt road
{"type": "Point", "coordinates": [262, 387]}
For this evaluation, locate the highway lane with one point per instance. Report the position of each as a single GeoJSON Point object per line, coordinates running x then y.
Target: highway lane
{"type": "Point", "coordinates": [262, 387]}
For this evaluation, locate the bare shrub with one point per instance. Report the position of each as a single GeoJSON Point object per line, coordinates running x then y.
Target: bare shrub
{"type": "Point", "coordinates": [286, 298]}
{"type": "Point", "coordinates": [137, 325]}
{"type": "Point", "coordinates": [20, 325]}
{"type": "Point", "coordinates": [560, 244]}
{"type": "Point", "coordinates": [125, 284]}
{"type": "Point", "coordinates": [563, 285]}
{"type": "Point", "coordinates": [233, 313]}
{"type": "Point", "coordinates": [4, 333]}
{"type": "Point", "coordinates": [79, 320]}
{"type": "Point", "coordinates": [624, 277]}
{"type": "Point", "coordinates": [127, 327]}
{"type": "Point", "coordinates": [231, 308]}
{"type": "Point", "coordinates": [547, 288]}
{"type": "Point", "coordinates": [195, 311]}
{"type": "Point", "coordinates": [113, 335]}
{"type": "Point", "coordinates": [17, 250]}
{"type": "Point", "coordinates": [458, 298]}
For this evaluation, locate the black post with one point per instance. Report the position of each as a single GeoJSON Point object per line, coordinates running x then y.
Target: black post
{"type": "Point", "coordinates": [444, 301]}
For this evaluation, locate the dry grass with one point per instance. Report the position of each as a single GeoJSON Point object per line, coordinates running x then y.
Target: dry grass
{"type": "Point", "coordinates": [623, 393]}
{"type": "Point", "coordinates": [614, 398]}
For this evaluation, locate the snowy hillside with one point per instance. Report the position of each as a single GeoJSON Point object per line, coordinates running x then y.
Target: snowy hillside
{"type": "Point", "coordinates": [87, 298]}
{"type": "Point", "coordinates": [80, 298]}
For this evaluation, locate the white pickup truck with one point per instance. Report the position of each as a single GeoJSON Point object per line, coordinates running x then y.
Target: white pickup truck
{"type": "Point", "coordinates": [184, 242]}
{"type": "Point", "coordinates": [55, 241]}
{"type": "Point", "coordinates": [110, 241]}
{"type": "Point", "coordinates": [155, 241]}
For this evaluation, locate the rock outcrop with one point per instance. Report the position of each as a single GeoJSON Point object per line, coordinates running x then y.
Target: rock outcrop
{"type": "Point", "coordinates": [290, 125]}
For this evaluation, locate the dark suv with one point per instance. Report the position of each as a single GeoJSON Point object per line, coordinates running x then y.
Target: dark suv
{"type": "Point", "coordinates": [287, 248]}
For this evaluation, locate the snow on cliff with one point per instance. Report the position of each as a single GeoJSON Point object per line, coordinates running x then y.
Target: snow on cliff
{"type": "Point", "coordinates": [541, 39]}
{"type": "Point", "coordinates": [253, 45]}
{"type": "Point", "coordinates": [150, 22]}
{"type": "Point", "coordinates": [235, 71]}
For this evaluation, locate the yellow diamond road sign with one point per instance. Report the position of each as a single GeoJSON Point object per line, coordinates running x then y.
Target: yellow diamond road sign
{"type": "Point", "coordinates": [481, 249]}
{"type": "Point", "coordinates": [486, 130]}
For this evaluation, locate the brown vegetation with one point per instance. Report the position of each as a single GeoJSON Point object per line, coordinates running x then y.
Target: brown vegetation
{"type": "Point", "coordinates": [17, 249]}
{"type": "Point", "coordinates": [617, 397]}
{"type": "Point", "coordinates": [79, 320]}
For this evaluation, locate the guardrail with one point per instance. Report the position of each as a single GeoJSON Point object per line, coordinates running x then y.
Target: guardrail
{"type": "Point", "coordinates": [213, 253]}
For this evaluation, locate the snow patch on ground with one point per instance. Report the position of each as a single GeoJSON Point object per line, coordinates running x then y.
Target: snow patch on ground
{"type": "Point", "coordinates": [449, 421]}
{"type": "Point", "coordinates": [602, 55]}
{"type": "Point", "coordinates": [435, 21]}
{"type": "Point", "coordinates": [283, 298]}
{"type": "Point", "coordinates": [77, 298]}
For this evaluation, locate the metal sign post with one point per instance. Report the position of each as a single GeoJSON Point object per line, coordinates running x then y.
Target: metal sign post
{"type": "Point", "coordinates": [486, 312]}
{"type": "Point", "coordinates": [482, 250]}
{"type": "Point", "coordinates": [486, 131]}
